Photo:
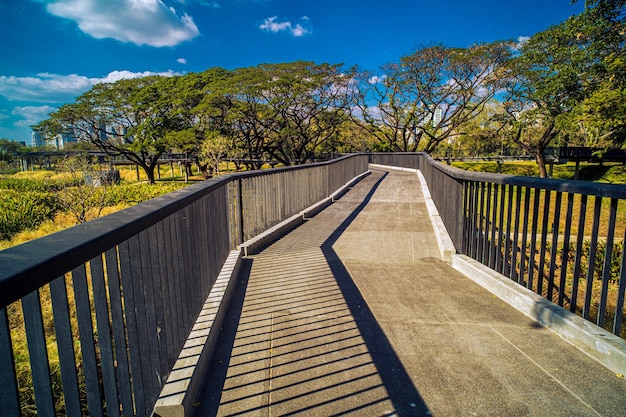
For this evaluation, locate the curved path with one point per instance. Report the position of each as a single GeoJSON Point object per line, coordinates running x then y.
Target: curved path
{"type": "Point", "coordinates": [354, 313]}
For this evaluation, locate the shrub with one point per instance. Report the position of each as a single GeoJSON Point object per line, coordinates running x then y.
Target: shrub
{"type": "Point", "coordinates": [24, 210]}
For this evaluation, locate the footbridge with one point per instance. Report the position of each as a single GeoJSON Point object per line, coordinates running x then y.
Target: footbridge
{"type": "Point", "coordinates": [373, 285]}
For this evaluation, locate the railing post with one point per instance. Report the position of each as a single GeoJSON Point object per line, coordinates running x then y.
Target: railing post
{"type": "Point", "coordinates": [9, 396]}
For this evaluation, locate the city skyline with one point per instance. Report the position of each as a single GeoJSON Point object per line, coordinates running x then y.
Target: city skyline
{"type": "Point", "coordinates": [55, 50]}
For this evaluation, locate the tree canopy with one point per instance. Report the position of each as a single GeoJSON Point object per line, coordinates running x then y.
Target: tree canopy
{"type": "Point", "coordinates": [566, 83]}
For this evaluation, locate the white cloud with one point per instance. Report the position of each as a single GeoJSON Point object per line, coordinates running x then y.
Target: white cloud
{"type": "Point", "coordinates": [375, 79]}
{"type": "Point", "coordinates": [55, 88]}
{"type": "Point", "coordinates": [271, 25]}
{"type": "Point", "coordinates": [30, 115]}
{"type": "Point", "coordinates": [521, 40]}
{"type": "Point", "coordinates": [50, 89]}
{"type": "Point", "coordinates": [181, 61]}
{"type": "Point", "coordinates": [142, 22]}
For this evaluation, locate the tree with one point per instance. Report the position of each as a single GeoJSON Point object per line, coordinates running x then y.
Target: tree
{"type": "Point", "coordinates": [428, 96]}
{"type": "Point", "coordinates": [10, 149]}
{"type": "Point", "coordinates": [564, 77]}
{"type": "Point", "coordinates": [285, 111]}
{"type": "Point", "coordinates": [481, 136]}
{"type": "Point", "coordinates": [307, 103]}
{"type": "Point", "coordinates": [603, 110]}
{"type": "Point", "coordinates": [193, 114]}
{"type": "Point", "coordinates": [80, 196]}
{"type": "Point", "coordinates": [214, 149]}
{"type": "Point", "coordinates": [234, 108]}
{"type": "Point", "coordinates": [128, 118]}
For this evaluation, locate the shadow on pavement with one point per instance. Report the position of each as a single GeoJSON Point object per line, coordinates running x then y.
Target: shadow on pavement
{"type": "Point", "coordinates": [400, 388]}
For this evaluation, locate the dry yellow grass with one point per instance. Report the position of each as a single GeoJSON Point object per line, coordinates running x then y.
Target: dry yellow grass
{"type": "Point", "coordinates": [62, 220]}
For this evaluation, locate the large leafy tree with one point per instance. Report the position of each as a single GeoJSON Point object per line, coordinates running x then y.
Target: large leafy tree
{"type": "Point", "coordinates": [235, 109]}
{"type": "Point", "coordinates": [602, 112]}
{"type": "Point", "coordinates": [128, 118]}
{"type": "Point", "coordinates": [307, 102]}
{"type": "Point", "coordinates": [10, 149]}
{"type": "Point", "coordinates": [426, 97]}
{"type": "Point", "coordinates": [195, 117]}
{"type": "Point", "coordinates": [568, 75]}
{"type": "Point", "coordinates": [284, 112]}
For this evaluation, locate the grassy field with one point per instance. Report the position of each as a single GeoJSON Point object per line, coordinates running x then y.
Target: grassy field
{"type": "Point", "coordinates": [29, 201]}
{"type": "Point", "coordinates": [614, 173]}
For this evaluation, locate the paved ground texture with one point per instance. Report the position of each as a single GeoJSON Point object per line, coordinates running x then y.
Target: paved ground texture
{"type": "Point", "coordinates": [354, 313]}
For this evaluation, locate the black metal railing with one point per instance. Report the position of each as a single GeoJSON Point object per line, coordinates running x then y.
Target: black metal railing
{"type": "Point", "coordinates": [561, 239]}
{"type": "Point", "coordinates": [92, 318]}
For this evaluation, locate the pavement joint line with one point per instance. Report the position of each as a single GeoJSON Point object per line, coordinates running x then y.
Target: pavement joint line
{"type": "Point", "coordinates": [544, 370]}
{"type": "Point", "coordinates": [599, 344]}
{"type": "Point", "coordinates": [444, 242]}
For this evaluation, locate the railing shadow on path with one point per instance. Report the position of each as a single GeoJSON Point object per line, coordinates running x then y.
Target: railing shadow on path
{"type": "Point", "coordinates": [402, 392]}
{"type": "Point", "coordinates": [317, 351]}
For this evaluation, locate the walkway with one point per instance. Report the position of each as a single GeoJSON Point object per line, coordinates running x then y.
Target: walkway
{"type": "Point", "coordinates": [354, 313]}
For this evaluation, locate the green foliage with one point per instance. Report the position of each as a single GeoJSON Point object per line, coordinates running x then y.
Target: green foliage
{"type": "Point", "coordinates": [569, 81]}
{"type": "Point", "coordinates": [429, 95]}
{"type": "Point", "coordinates": [616, 256]}
{"type": "Point", "coordinates": [24, 184]}
{"type": "Point", "coordinates": [610, 173]}
{"type": "Point", "coordinates": [24, 210]}
{"type": "Point", "coordinates": [10, 149]}
{"type": "Point", "coordinates": [129, 194]}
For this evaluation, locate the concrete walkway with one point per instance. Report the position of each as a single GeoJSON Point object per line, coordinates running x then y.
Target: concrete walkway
{"type": "Point", "coordinates": [354, 313]}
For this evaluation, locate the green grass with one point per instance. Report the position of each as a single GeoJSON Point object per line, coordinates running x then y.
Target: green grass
{"type": "Point", "coordinates": [613, 173]}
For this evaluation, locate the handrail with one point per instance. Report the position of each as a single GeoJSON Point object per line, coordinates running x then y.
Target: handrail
{"type": "Point", "coordinates": [563, 239]}
{"type": "Point", "coordinates": [137, 279]}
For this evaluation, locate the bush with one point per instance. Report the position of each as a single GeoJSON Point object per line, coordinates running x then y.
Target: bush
{"type": "Point", "coordinates": [20, 184]}
{"type": "Point", "coordinates": [129, 194]}
{"type": "Point", "coordinates": [24, 210]}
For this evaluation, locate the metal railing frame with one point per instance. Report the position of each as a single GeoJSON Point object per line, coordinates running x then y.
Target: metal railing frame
{"type": "Point", "coordinates": [126, 289]}
{"type": "Point", "coordinates": [488, 217]}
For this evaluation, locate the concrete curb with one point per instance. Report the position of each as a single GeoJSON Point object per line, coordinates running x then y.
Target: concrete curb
{"type": "Point", "coordinates": [185, 379]}
{"type": "Point", "coordinates": [446, 247]}
{"type": "Point", "coordinates": [604, 347]}
{"type": "Point", "coordinates": [274, 233]}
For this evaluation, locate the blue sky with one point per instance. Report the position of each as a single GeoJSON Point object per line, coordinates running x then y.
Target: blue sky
{"type": "Point", "coordinates": [51, 51]}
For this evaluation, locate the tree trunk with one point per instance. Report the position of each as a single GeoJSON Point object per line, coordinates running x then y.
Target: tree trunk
{"type": "Point", "coordinates": [541, 163]}
{"type": "Point", "coordinates": [149, 169]}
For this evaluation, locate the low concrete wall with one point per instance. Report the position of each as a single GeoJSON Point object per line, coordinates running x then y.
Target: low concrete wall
{"type": "Point", "coordinates": [605, 347]}
{"type": "Point", "coordinates": [185, 379]}
{"type": "Point", "coordinates": [269, 236]}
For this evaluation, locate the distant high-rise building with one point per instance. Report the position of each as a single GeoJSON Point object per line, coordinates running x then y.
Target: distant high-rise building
{"type": "Point", "coordinates": [437, 116]}
{"type": "Point", "coordinates": [61, 140]}
{"type": "Point", "coordinates": [36, 139]}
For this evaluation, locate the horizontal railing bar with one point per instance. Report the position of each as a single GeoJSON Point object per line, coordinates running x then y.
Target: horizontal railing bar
{"type": "Point", "coordinates": [571, 186]}
{"type": "Point", "coordinates": [22, 273]}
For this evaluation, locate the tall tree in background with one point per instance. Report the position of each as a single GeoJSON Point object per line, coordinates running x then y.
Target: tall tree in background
{"type": "Point", "coordinates": [429, 95]}
{"type": "Point", "coordinates": [128, 118]}
{"type": "Point", "coordinates": [194, 116]}
{"type": "Point", "coordinates": [305, 103]}
{"type": "Point", "coordinates": [603, 110]}
{"type": "Point", "coordinates": [568, 73]}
